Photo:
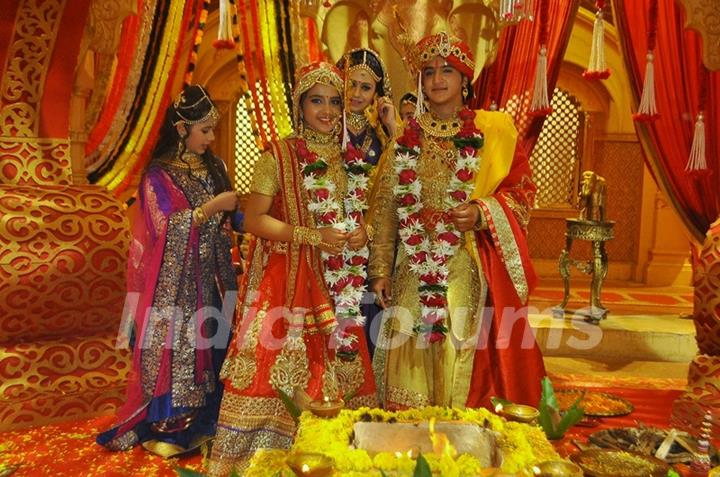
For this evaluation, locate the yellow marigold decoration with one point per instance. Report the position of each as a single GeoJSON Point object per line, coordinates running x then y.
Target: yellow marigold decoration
{"type": "Point", "coordinates": [521, 445]}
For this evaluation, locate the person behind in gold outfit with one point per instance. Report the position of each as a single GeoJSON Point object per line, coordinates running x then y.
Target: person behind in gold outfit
{"type": "Point", "coordinates": [180, 269]}
{"type": "Point", "coordinates": [299, 325]}
{"type": "Point", "coordinates": [456, 198]}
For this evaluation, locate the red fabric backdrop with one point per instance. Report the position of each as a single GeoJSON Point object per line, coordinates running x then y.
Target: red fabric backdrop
{"type": "Point", "coordinates": [668, 140]}
{"type": "Point", "coordinates": [513, 72]}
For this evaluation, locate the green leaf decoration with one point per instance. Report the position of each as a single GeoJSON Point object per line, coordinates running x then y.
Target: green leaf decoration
{"type": "Point", "coordinates": [359, 169]}
{"type": "Point", "coordinates": [290, 406]}
{"type": "Point", "coordinates": [672, 473]}
{"type": "Point", "coordinates": [234, 473]}
{"type": "Point", "coordinates": [551, 420]}
{"type": "Point", "coordinates": [183, 472]}
{"type": "Point", "coordinates": [318, 165]}
{"type": "Point", "coordinates": [422, 468]}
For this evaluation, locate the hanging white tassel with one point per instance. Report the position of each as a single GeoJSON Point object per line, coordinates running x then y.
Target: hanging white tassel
{"type": "Point", "coordinates": [596, 66]}
{"type": "Point", "coordinates": [540, 104]}
{"type": "Point", "coordinates": [346, 134]}
{"type": "Point", "coordinates": [225, 28]}
{"type": "Point", "coordinates": [647, 111]}
{"type": "Point", "coordinates": [528, 6]}
{"type": "Point", "coordinates": [696, 163]}
{"type": "Point", "coordinates": [506, 10]}
{"type": "Point", "coordinates": [420, 106]}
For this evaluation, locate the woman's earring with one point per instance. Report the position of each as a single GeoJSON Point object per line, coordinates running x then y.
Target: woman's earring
{"type": "Point", "coordinates": [465, 92]}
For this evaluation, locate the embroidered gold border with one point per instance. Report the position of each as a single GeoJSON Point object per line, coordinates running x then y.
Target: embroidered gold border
{"type": "Point", "coordinates": [504, 239]}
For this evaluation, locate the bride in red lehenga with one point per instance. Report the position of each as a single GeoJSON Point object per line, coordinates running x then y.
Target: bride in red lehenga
{"type": "Point", "coordinates": [299, 326]}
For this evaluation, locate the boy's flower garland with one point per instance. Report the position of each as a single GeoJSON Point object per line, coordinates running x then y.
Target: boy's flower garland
{"type": "Point", "coordinates": [345, 273]}
{"type": "Point", "coordinates": [429, 258]}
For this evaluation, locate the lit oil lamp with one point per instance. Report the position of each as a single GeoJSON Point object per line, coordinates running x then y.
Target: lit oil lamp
{"type": "Point", "coordinates": [327, 407]}
{"type": "Point", "coordinates": [517, 412]}
{"type": "Point", "coordinates": [310, 464]}
{"type": "Point", "coordinates": [556, 468]}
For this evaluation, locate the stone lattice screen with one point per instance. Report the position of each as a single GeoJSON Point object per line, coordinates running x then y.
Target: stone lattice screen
{"type": "Point", "coordinates": [556, 157]}
{"type": "Point", "coordinates": [247, 151]}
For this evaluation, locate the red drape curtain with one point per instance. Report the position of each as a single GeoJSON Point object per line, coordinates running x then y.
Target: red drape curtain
{"type": "Point", "coordinates": [513, 72]}
{"type": "Point", "coordinates": [668, 140]}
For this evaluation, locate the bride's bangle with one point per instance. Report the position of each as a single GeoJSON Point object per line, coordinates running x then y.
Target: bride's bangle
{"type": "Point", "coordinates": [306, 236]}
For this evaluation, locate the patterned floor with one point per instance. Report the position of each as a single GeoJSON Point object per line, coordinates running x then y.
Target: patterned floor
{"type": "Point", "coordinates": [70, 449]}
{"type": "Point", "coordinates": [619, 299]}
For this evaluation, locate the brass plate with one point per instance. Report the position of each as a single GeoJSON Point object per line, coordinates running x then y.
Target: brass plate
{"type": "Point", "coordinates": [595, 403]}
{"type": "Point", "coordinates": [614, 463]}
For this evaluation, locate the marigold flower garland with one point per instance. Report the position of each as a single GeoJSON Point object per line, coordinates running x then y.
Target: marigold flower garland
{"type": "Point", "coordinates": [429, 257]}
{"type": "Point", "coordinates": [345, 273]}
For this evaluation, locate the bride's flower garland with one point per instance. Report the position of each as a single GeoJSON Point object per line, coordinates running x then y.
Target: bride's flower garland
{"type": "Point", "coordinates": [429, 258]}
{"type": "Point", "coordinates": [345, 273]}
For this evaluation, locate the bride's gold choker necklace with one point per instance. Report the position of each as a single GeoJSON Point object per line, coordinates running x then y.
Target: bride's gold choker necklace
{"type": "Point", "coordinates": [323, 144]}
{"type": "Point", "coordinates": [315, 137]}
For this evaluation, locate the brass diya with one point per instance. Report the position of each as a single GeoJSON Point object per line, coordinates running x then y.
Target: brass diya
{"type": "Point", "coordinates": [326, 407]}
{"type": "Point", "coordinates": [310, 464]}
{"type": "Point", "coordinates": [556, 468]}
{"type": "Point", "coordinates": [519, 413]}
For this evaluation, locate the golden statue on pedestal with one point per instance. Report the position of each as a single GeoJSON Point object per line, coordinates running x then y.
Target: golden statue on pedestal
{"type": "Point", "coordinates": [590, 226]}
{"type": "Point", "coordinates": [591, 198]}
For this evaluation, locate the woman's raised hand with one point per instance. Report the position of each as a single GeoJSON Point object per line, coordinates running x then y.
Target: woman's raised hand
{"type": "Point", "coordinates": [386, 113]}
{"type": "Point", "coordinates": [224, 201]}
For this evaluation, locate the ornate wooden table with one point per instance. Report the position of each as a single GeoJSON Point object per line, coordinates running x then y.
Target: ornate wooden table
{"type": "Point", "coordinates": [598, 233]}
